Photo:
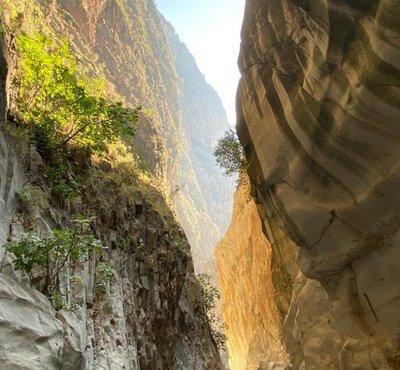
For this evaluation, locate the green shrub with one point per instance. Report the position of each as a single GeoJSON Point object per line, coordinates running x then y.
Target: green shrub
{"type": "Point", "coordinates": [104, 274]}
{"type": "Point", "coordinates": [56, 103]}
{"type": "Point", "coordinates": [229, 154]}
{"type": "Point", "coordinates": [45, 259]}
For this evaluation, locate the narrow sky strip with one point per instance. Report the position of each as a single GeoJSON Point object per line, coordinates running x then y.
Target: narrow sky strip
{"type": "Point", "coordinates": [211, 31]}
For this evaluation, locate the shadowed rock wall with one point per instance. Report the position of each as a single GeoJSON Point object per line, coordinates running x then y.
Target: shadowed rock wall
{"type": "Point", "coordinates": [319, 117]}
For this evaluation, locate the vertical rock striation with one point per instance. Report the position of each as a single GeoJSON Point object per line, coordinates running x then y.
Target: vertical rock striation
{"type": "Point", "coordinates": [319, 117]}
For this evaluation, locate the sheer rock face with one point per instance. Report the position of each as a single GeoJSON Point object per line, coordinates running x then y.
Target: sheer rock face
{"type": "Point", "coordinates": [318, 115]}
{"type": "Point", "coordinates": [11, 172]}
{"type": "Point", "coordinates": [151, 315]}
{"type": "Point", "coordinates": [149, 318]}
{"type": "Point", "coordinates": [252, 316]}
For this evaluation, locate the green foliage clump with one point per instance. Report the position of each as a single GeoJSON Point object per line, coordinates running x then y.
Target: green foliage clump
{"type": "Point", "coordinates": [45, 259]}
{"type": "Point", "coordinates": [210, 295]}
{"type": "Point", "coordinates": [56, 102]}
{"type": "Point", "coordinates": [62, 182]}
{"type": "Point", "coordinates": [104, 274]}
{"type": "Point", "coordinates": [229, 154]}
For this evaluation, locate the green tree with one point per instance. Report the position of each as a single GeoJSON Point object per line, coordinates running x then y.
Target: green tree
{"type": "Point", "coordinates": [55, 101]}
{"type": "Point", "coordinates": [229, 154]}
{"type": "Point", "coordinates": [45, 259]}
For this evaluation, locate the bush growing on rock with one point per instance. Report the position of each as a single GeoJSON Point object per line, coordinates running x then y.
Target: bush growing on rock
{"type": "Point", "coordinates": [56, 103]}
{"type": "Point", "coordinates": [104, 274]}
{"type": "Point", "coordinates": [45, 259]}
{"type": "Point", "coordinates": [210, 296]}
{"type": "Point", "coordinates": [229, 154]}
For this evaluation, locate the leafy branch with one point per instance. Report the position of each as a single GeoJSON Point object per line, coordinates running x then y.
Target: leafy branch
{"type": "Point", "coordinates": [45, 259]}
{"type": "Point", "coordinates": [53, 98]}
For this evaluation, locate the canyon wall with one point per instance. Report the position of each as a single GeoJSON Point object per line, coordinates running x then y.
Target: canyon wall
{"type": "Point", "coordinates": [318, 115]}
{"type": "Point", "coordinates": [245, 278]}
{"type": "Point", "coordinates": [149, 317]}
{"type": "Point", "coordinates": [139, 52]}
{"type": "Point", "coordinates": [144, 63]}
{"type": "Point", "coordinates": [151, 314]}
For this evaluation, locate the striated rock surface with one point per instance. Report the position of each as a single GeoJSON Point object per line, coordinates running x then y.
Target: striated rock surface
{"type": "Point", "coordinates": [245, 279]}
{"type": "Point", "coordinates": [11, 170]}
{"type": "Point", "coordinates": [318, 115]}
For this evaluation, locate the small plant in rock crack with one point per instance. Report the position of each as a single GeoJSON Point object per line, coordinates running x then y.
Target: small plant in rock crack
{"type": "Point", "coordinates": [104, 274]}
{"type": "Point", "coordinates": [210, 295]}
{"type": "Point", "coordinates": [47, 259]}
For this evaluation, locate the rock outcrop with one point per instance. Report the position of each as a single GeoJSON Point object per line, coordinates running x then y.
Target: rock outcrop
{"type": "Point", "coordinates": [149, 318]}
{"type": "Point", "coordinates": [28, 322]}
{"type": "Point", "coordinates": [318, 116]}
{"type": "Point", "coordinates": [245, 280]}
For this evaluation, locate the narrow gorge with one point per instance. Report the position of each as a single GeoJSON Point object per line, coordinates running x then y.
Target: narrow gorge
{"type": "Point", "coordinates": [116, 221]}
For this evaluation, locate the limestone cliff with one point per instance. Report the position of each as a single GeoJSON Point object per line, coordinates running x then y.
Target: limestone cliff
{"type": "Point", "coordinates": [245, 280]}
{"type": "Point", "coordinates": [150, 314]}
{"type": "Point", "coordinates": [318, 115]}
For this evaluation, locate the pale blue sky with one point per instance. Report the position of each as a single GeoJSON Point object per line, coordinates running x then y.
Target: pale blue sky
{"type": "Point", "coordinates": [211, 31]}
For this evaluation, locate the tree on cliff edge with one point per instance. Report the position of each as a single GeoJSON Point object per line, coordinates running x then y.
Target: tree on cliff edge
{"type": "Point", "coordinates": [229, 154]}
{"type": "Point", "coordinates": [56, 102]}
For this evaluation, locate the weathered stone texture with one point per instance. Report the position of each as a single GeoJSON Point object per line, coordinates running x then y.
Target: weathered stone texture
{"type": "Point", "coordinates": [319, 117]}
{"type": "Point", "coordinates": [151, 316]}
{"type": "Point", "coordinates": [246, 283]}
{"type": "Point", "coordinates": [32, 338]}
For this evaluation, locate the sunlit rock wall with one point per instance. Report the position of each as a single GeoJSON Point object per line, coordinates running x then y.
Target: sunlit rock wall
{"type": "Point", "coordinates": [319, 117]}
{"type": "Point", "coordinates": [245, 280]}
